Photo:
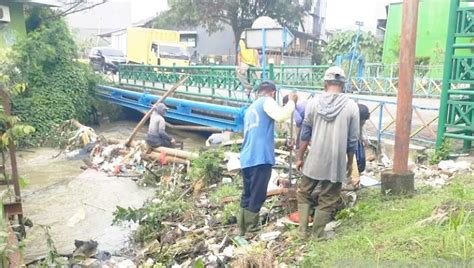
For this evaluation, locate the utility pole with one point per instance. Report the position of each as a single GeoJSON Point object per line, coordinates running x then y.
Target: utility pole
{"type": "Point", "coordinates": [400, 180]}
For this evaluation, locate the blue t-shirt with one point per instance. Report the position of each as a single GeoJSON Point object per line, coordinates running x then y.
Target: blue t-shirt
{"type": "Point", "coordinates": [259, 144]}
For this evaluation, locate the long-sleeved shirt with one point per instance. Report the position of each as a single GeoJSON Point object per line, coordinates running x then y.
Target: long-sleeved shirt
{"type": "Point", "coordinates": [332, 125]}
{"type": "Point", "coordinates": [299, 113]}
{"type": "Point", "coordinates": [157, 135]}
{"type": "Point", "coordinates": [258, 147]}
{"type": "Point", "coordinates": [277, 113]}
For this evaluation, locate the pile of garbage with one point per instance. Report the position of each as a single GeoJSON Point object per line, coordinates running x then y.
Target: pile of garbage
{"type": "Point", "coordinates": [115, 158]}
{"type": "Point", "coordinates": [438, 175]}
{"type": "Point", "coordinates": [191, 220]}
{"type": "Point", "coordinates": [85, 254]}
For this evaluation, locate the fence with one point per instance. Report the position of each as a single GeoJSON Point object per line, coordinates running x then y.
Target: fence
{"type": "Point", "coordinates": [377, 79]}
{"type": "Point", "coordinates": [220, 83]}
{"type": "Point", "coordinates": [383, 116]}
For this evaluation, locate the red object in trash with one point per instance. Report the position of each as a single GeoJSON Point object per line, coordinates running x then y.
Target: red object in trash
{"type": "Point", "coordinates": [117, 169]}
{"type": "Point", "coordinates": [295, 217]}
{"type": "Point", "coordinates": [163, 160]}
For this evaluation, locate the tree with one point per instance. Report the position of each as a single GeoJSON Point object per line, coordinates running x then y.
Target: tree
{"type": "Point", "coordinates": [238, 14]}
{"type": "Point", "coordinates": [342, 42]}
{"type": "Point", "coordinates": [11, 84]}
{"type": "Point", "coordinates": [69, 7]}
{"type": "Point", "coordinates": [59, 88]}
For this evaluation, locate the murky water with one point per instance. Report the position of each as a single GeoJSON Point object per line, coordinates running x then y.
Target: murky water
{"type": "Point", "coordinates": [79, 204]}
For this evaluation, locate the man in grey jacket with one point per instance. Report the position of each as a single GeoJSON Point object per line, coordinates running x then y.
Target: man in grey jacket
{"type": "Point", "coordinates": [157, 135]}
{"type": "Point", "coordinates": [331, 125]}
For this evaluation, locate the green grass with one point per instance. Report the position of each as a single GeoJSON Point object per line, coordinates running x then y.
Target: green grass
{"type": "Point", "coordinates": [229, 209]}
{"type": "Point", "coordinates": [225, 191]}
{"type": "Point", "coordinates": [383, 231]}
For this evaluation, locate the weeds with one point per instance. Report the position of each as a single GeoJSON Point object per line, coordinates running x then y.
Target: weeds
{"type": "Point", "coordinates": [442, 153]}
{"type": "Point", "coordinates": [53, 259]}
{"type": "Point", "coordinates": [223, 192]}
{"type": "Point", "coordinates": [166, 205]}
{"type": "Point", "coordinates": [231, 208]}
{"type": "Point", "coordinates": [207, 167]}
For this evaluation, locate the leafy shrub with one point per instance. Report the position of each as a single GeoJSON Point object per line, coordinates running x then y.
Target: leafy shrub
{"type": "Point", "coordinates": [342, 42]}
{"type": "Point", "coordinates": [59, 88]}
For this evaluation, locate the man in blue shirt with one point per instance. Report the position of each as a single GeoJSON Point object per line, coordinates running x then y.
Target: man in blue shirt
{"type": "Point", "coordinates": [258, 152]}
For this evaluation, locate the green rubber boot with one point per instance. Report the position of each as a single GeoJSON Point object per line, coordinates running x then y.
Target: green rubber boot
{"type": "Point", "coordinates": [303, 213]}
{"type": "Point", "coordinates": [241, 222]}
{"type": "Point", "coordinates": [321, 218]}
{"type": "Point", "coordinates": [251, 221]}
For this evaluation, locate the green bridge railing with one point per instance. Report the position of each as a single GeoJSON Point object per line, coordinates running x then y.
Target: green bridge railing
{"type": "Point", "coordinates": [220, 82]}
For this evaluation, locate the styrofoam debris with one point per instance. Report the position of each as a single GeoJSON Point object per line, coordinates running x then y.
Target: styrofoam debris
{"type": "Point", "coordinates": [233, 161]}
{"type": "Point", "coordinates": [367, 181]}
{"type": "Point", "coordinates": [226, 180]}
{"type": "Point", "coordinates": [126, 264]}
{"type": "Point", "coordinates": [229, 251]}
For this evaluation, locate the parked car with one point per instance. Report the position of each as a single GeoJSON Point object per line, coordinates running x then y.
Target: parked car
{"type": "Point", "coordinates": [106, 59]}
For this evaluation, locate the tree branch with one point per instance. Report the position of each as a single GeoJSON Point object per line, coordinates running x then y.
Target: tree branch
{"type": "Point", "coordinates": [75, 5]}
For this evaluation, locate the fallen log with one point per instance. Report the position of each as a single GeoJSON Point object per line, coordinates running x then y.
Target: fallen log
{"type": "Point", "coordinates": [177, 152]}
{"type": "Point", "coordinates": [277, 192]}
{"type": "Point", "coordinates": [193, 128]}
{"type": "Point", "coordinates": [240, 141]}
{"type": "Point", "coordinates": [167, 159]}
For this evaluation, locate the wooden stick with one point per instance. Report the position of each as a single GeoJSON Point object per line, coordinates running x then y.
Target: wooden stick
{"type": "Point", "coordinates": [148, 114]}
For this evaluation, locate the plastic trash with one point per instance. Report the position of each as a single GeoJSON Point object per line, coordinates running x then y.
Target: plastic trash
{"type": "Point", "coordinates": [270, 236]}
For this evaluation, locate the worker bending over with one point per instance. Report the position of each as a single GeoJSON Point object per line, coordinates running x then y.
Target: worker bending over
{"type": "Point", "coordinates": [157, 135]}
{"type": "Point", "coordinates": [331, 124]}
{"type": "Point", "coordinates": [258, 152]}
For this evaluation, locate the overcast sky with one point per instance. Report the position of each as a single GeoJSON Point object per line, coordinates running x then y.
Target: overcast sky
{"type": "Point", "coordinates": [340, 14]}
{"type": "Point", "coordinates": [143, 9]}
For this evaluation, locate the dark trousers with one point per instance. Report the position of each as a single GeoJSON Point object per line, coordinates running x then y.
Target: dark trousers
{"type": "Point", "coordinates": [255, 187]}
{"type": "Point", "coordinates": [328, 197]}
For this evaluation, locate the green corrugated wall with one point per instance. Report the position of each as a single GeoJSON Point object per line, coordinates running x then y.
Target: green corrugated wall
{"type": "Point", "coordinates": [431, 33]}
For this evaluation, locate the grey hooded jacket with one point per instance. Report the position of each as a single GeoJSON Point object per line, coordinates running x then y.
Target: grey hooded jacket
{"type": "Point", "coordinates": [333, 124]}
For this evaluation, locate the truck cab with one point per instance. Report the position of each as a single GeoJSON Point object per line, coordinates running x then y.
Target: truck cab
{"type": "Point", "coordinates": [168, 54]}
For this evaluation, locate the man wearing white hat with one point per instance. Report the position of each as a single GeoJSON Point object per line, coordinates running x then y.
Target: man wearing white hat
{"type": "Point", "coordinates": [331, 125]}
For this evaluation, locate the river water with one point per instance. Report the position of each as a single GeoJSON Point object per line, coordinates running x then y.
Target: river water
{"type": "Point", "coordinates": [78, 204]}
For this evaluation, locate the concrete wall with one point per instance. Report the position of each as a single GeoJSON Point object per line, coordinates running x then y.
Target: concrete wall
{"type": "Point", "coordinates": [11, 32]}
{"type": "Point", "coordinates": [219, 43]}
